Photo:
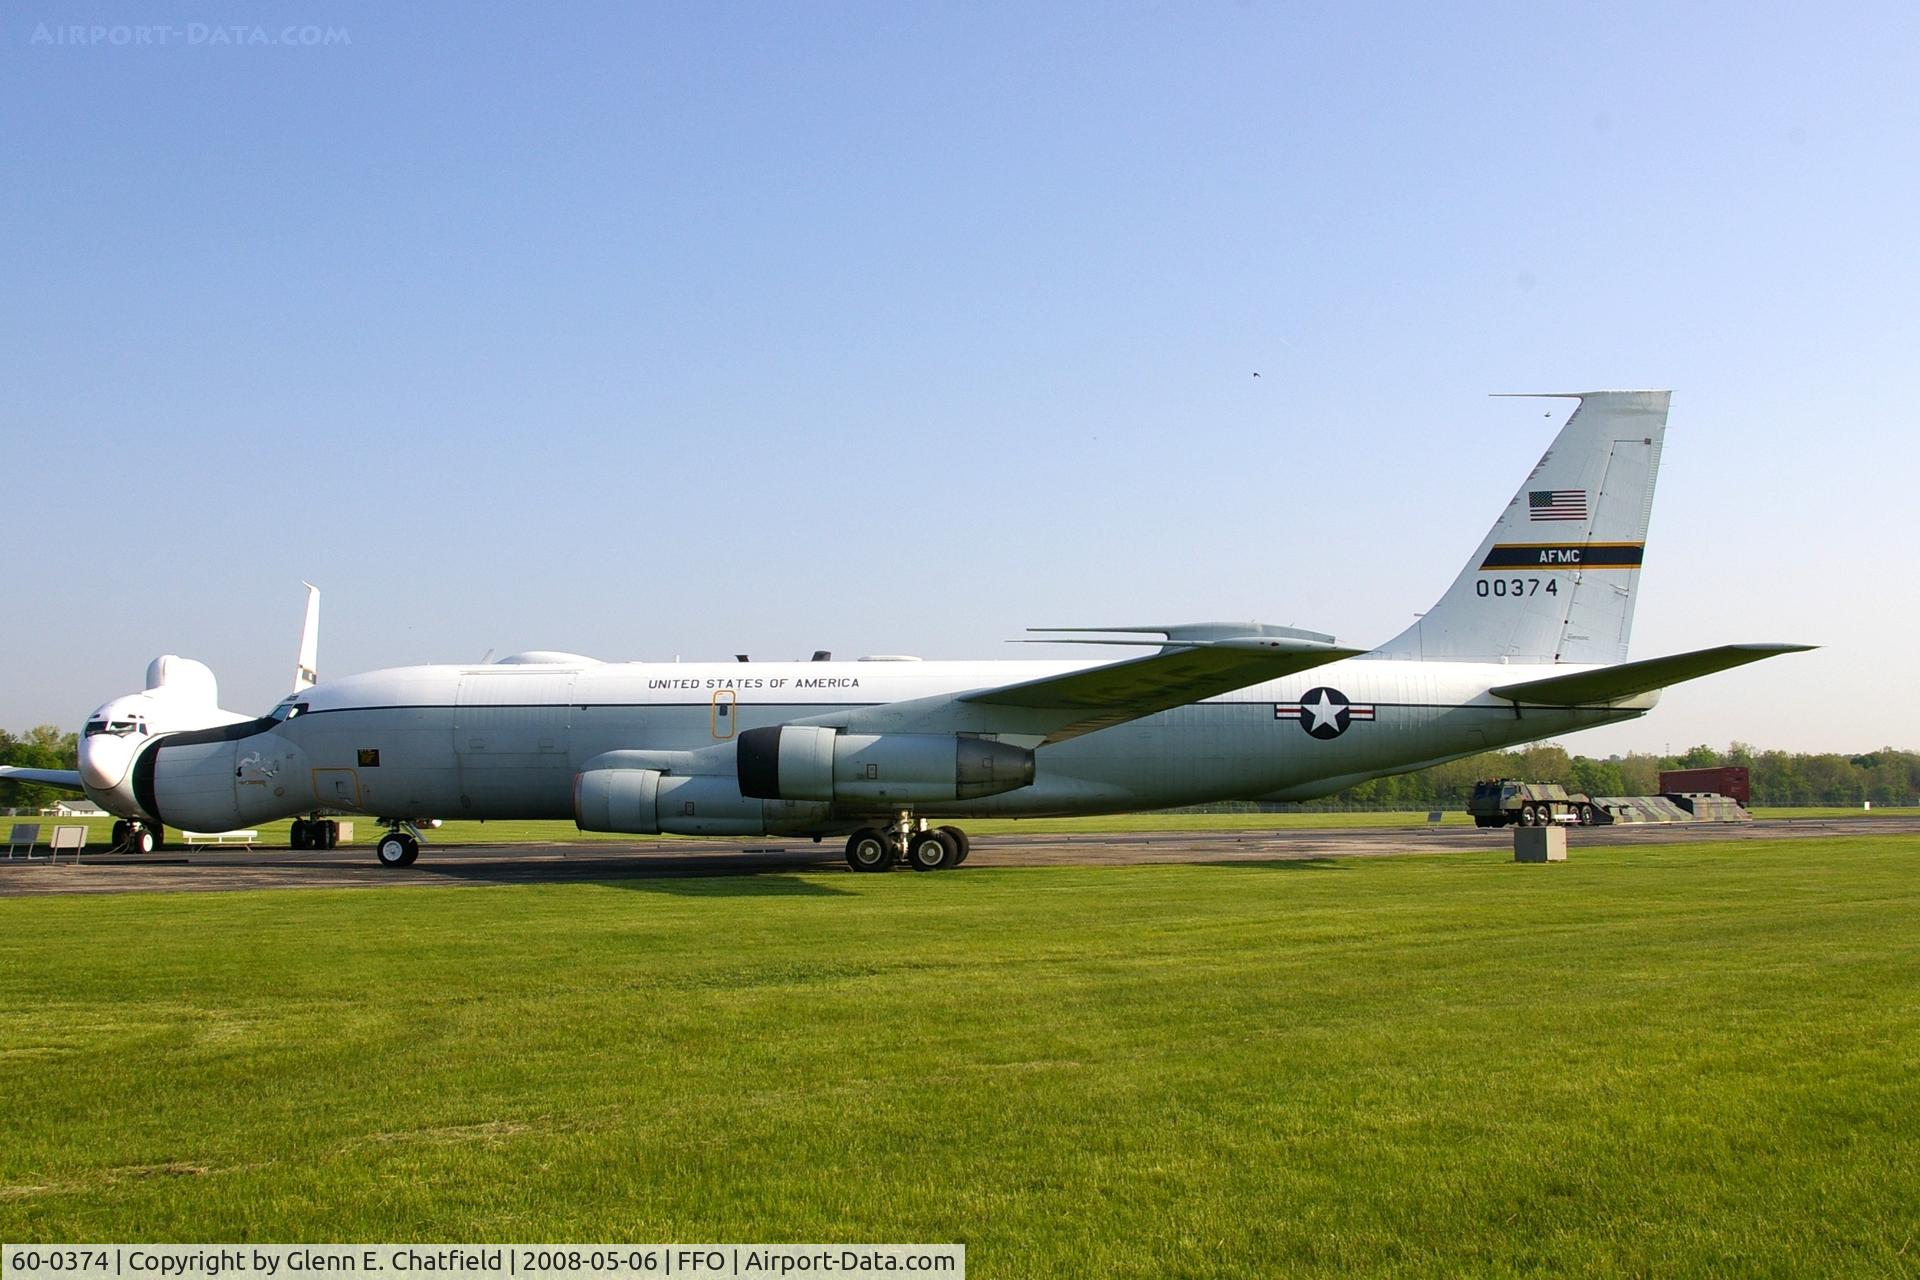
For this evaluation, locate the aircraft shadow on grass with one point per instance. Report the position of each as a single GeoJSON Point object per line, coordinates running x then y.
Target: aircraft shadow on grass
{"type": "Point", "coordinates": [716, 878]}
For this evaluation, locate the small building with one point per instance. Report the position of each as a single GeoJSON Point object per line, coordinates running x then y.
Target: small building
{"type": "Point", "coordinates": [75, 809]}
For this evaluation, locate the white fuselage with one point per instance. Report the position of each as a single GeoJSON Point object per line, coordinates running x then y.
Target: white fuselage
{"type": "Point", "coordinates": [508, 740]}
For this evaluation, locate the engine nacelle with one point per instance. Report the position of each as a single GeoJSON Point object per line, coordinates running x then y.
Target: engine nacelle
{"type": "Point", "coordinates": [643, 801]}
{"type": "Point", "coordinates": [807, 762]}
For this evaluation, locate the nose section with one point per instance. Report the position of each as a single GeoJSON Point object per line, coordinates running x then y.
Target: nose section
{"type": "Point", "coordinates": [104, 760]}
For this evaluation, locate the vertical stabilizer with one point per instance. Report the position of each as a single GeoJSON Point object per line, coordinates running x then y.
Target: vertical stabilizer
{"type": "Point", "coordinates": [306, 671]}
{"type": "Point", "coordinates": [1556, 577]}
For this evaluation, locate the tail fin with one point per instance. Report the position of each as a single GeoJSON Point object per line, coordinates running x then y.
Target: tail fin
{"type": "Point", "coordinates": [1555, 578]}
{"type": "Point", "coordinates": [304, 673]}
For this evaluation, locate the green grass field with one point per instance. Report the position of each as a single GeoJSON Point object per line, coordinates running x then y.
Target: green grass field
{"type": "Point", "coordinates": [1647, 1061]}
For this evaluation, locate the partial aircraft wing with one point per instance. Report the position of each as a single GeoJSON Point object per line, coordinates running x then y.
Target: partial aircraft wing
{"type": "Point", "coordinates": [67, 778]}
{"type": "Point", "coordinates": [1631, 679]}
{"type": "Point", "coordinates": [1099, 697]}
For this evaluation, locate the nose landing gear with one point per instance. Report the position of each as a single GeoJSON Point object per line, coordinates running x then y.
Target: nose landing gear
{"type": "Point", "coordinates": [401, 844]}
{"type": "Point", "coordinates": [916, 843]}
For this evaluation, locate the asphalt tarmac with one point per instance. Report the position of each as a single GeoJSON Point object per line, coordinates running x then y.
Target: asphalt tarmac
{"type": "Point", "coordinates": [176, 870]}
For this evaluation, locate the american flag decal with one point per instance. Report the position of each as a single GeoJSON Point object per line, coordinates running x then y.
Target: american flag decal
{"type": "Point", "coordinates": [1557, 504]}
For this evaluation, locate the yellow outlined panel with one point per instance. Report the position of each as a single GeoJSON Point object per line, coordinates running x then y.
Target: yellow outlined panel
{"type": "Point", "coordinates": [722, 714]}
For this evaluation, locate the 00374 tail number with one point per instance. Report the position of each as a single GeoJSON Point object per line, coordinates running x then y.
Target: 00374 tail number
{"type": "Point", "coordinates": [1515, 587]}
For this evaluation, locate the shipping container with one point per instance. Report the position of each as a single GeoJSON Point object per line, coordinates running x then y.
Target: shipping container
{"type": "Point", "coordinates": [1730, 781]}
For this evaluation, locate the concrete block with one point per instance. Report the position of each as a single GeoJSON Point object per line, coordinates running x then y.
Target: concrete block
{"type": "Point", "coordinates": [1540, 844]}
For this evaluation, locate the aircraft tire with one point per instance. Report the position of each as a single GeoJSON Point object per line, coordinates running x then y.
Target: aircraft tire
{"type": "Point", "coordinates": [396, 849]}
{"type": "Point", "coordinates": [328, 832]}
{"type": "Point", "coordinates": [298, 835]}
{"type": "Point", "coordinates": [120, 835]}
{"type": "Point", "coordinates": [140, 840]}
{"type": "Point", "coordinates": [933, 851]}
{"type": "Point", "coordinates": [869, 850]}
{"type": "Point", "coordinates": [959, 838]}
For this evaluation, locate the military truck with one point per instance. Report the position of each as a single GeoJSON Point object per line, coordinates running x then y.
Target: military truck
{"type": "Point", "coordinates": [1500, 802]}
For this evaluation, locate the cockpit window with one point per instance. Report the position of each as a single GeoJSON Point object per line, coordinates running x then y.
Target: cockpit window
{"type": "Point", "coordinates": [288, 710]}
{"type": "Point", "coordinates": [118, 728]}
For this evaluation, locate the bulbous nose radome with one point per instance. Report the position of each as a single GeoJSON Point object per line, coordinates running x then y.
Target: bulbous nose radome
{"type": "Point", "coordinates": [105, 759]}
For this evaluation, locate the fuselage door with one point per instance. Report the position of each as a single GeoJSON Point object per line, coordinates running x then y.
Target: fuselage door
{"type": "Point", "coordinates": [724, 712]}
{"type": "Point", "coordinates": [336, 789]}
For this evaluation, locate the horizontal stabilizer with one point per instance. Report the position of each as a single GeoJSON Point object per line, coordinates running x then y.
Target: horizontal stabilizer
{"type": "Point", "coordinates": [68, 778]}
{"type": "Point", "coordinates": [1631, 679]}
{"type": "Point", "coordinates": [1122, 691]}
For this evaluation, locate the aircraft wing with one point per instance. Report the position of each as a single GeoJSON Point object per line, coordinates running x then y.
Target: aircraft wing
{"type": "Point", "coordinates": [1630, 679]}
{"type": "Point", "coordinates": [1098, 697]}
{"type": "Point", "coordinates": [67, 778]}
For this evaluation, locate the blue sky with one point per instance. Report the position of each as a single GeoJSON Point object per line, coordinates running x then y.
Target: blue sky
{"type": "Point", "coordinates": [690, 330]}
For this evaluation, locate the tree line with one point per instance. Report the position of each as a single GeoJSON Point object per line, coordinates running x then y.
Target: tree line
{"type": "Point", "coordinates": [41, 747]}
{"type": "Point", "coordinates": [1783, 778]}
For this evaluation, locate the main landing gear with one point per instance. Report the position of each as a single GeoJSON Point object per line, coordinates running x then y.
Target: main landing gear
{"type": "Point", "coordinates": [920, 846]}
{"type": "Point", "coordinates": [137, 837]}
{"type": "Point", "coordinates": [313, 833]}
{"type": "Point", "coordinates": [400, 845]}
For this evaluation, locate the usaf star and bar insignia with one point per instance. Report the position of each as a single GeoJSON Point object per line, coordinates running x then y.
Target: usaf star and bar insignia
{"type": "Point", "coordinates": [1324, 713]}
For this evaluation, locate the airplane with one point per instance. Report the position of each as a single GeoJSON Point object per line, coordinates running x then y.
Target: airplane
{"type": "Point", "coordinates": [1529, 642]}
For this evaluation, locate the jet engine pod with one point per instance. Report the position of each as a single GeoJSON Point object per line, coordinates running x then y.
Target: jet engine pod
{"type": "Point", "coordinates": [617, 800]}
{"type": "Point", "coordinates": [806, 762]}
{"type": "Point", "coordinates": [651, 802]}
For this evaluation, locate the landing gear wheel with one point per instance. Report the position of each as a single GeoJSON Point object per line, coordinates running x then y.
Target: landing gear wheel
{"type": "Point", "coordinates": [933, 851]}
{"type": "Point", "coordinates": [959, 838]}
{"type": "Point", "coordinates": [120, 835]}
{"type": "Point", "coordinates": [140, 840]}
{"type": "Point", "coordinates": [299, 836]}
{"type": "Point", "coordinates": [326, 834]}
{"type": "Point", "coordinates": [396, 849]}
{"type": "Point", "coordinates": [868, 850]}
